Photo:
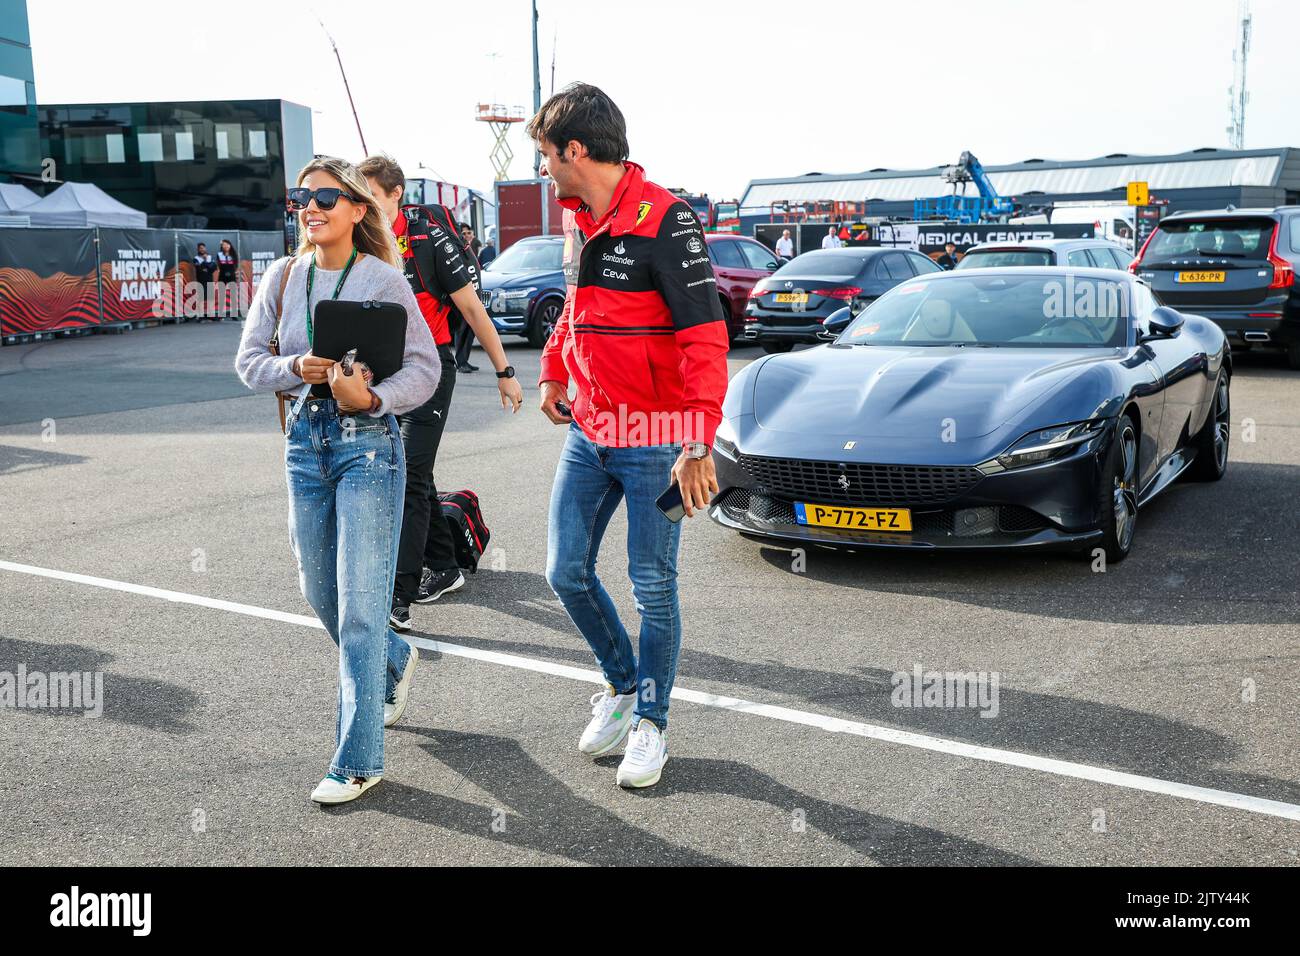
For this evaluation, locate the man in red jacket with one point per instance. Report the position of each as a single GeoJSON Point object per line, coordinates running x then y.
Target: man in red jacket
{"type": "Point", "coordinates": [644, 339]}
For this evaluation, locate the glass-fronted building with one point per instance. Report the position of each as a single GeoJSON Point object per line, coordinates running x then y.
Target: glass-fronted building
{"type": "Point", "coordinates": [205, 164]}
{"type": "Point", "coordinates": [20, 139]}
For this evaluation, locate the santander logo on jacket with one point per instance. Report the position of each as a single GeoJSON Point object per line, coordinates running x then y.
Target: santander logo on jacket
{"type": "Point", "coordinates": [642, 333]}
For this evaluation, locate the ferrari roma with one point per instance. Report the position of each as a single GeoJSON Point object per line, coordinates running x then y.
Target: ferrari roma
{"type": "Point", "coordinates": [992, 408]}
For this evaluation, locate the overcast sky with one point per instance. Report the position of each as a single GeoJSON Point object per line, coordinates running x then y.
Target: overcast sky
{"type": "Point", "coordinates": [715, 93]}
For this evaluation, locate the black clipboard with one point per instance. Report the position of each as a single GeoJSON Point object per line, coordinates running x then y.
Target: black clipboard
{"type": "Point", "coordinates": [377, 330]}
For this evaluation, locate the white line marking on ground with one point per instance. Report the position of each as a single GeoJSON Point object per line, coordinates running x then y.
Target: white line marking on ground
{"type": "Point", "coordinates": [1010, 758]}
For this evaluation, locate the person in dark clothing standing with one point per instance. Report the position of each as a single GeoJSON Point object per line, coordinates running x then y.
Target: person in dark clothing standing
{"type": "Point", "coordinates": [949, 258]}
{"type": "Point", "coordinates": [204, 268]}
{"type": "Point", "coordinates": [441, 279]}
{"type": "Point", "coordinates": [227, 273]}
{"type": "Point", "coordinates": [463, 333]}
{"type": "Point", "coordinates": [489, 250]}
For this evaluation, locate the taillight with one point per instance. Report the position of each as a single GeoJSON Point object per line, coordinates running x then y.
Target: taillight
{"type": "Point", "coordinates": [1283, 271]}
{"type": "Point", "coordinates": [757, 293]}
{"type": "Point", "coordinates": [1133, 266]}
{"type": "Point", "coordinates": [845, 292]}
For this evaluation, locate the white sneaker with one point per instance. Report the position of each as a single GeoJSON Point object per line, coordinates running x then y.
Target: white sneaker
{"type": "Point", "coordinates": [337, 789]}
{"type": "Point", "coordinates": [611, 719]}
{"type": "Point", "coordinates": [402, 692]}
{"type": "Point", "coordinates": [647, 752]}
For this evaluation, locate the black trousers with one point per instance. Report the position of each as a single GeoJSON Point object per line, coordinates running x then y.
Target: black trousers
{"type": "Point", "coordinates": [464, 341]}
{"type": "Point", "coordinates": [426, 540]}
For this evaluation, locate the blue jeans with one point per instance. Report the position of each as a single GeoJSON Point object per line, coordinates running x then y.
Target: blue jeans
{"type": "Point", "coordinates": [589, 482]}
{"type": "Point", "coordinates": [346, 482]}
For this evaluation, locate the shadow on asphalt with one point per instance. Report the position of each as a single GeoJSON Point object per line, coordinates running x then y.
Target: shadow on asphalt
{"type": "Point", "coordinates": [139, 701]}
{"type": "Point", "coordinates": [14, 460]}
{"type": "Point", "coordinates": [1049, 725]}
{"type": "Point", "coordinates": [1205, 542]}
{"type": "Point", "coordinates": [538, 812]}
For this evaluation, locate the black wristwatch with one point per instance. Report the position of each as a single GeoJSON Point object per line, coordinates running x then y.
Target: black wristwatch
{"type": "Point", "coordinates": [507, 372]}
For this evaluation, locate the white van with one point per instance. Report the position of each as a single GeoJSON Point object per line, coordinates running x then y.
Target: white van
{"type": "Point", "coordinates": [1113, 221]}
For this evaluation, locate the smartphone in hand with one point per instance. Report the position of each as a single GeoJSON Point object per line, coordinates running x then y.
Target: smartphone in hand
{"type": "Point", "coordinates": [670, 503]}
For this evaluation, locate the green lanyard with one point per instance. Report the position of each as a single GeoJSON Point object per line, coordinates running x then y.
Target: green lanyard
{"type": "Point", "coordinates": [311, 279]}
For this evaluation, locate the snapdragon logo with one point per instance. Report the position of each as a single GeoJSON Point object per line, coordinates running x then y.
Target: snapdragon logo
{"type": "Point", "coordinates": [56, 690]}
{"type": "Point", "coordinates": [103, 909]}
{"type": "Point", "coordinates": [955, 689]}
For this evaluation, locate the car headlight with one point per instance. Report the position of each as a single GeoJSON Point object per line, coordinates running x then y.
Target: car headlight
{"type": "Point", "coordinates": [725, 440]}
{"type": "Point", "coordinates": [512, 295]}
{"type": "Point", "coordinates": [1045, 444]}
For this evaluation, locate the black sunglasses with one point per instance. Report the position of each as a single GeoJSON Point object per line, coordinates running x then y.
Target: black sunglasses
{"type": "Point", "coordinates": [300, 197]}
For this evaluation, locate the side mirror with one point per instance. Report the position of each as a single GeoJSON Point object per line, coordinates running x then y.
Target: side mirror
{"type": "Point", "coordinates": [835, 323]}
{"type": "Point", "coordinates": [1164, 322]}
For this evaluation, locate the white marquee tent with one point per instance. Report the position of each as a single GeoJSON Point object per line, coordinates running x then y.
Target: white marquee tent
{"type": "Point", "coordinates": [83, 204]}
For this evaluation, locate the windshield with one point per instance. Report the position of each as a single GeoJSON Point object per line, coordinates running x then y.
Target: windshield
{"type": "Point", "coordinates": [1245, 238]}
{"type": "Point", "coordinates": [842, 265]}
{"type": "Point", "coordinates": [987, 258]}
{"type": "Point", "coordinates": [529, 257]}
{"type": "Point", "coordinates": [1026, 310]}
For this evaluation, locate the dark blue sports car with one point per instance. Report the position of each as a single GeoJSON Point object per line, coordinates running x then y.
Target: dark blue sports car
{"type": "Point", "coordinates": [998, 408]}
{"type": "Point", "coordinates": [523, 288]}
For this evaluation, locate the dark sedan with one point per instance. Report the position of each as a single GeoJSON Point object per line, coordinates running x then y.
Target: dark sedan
{"type": "Point", "coordinates": [996, 408]}
{"type": "Point", "coordinates": [791, 305]}
{"type": "Point", "coordinates": [523, 288]}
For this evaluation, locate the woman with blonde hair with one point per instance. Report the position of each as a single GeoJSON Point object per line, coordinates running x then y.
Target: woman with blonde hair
{"type": "Point", "coordinates": [343, 454]}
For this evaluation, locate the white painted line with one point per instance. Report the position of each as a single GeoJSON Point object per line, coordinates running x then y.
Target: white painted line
{"type": "Point", "coordinates": [1010, 758]}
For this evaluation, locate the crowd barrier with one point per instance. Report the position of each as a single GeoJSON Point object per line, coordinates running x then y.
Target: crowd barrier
{"type": "Point", "coordinates": [61, 280]}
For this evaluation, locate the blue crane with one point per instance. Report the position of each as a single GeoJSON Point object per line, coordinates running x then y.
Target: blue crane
{"type": "Point", "coordinates": [960, 207]}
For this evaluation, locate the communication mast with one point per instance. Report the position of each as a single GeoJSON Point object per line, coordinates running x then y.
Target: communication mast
{"type": "Point", "coordinates": [1237, 95]}
{"type": "Point", "coordinates": [499, 118]}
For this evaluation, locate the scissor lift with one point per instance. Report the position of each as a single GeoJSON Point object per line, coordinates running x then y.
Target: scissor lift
{"type": "Point", "coordinates": [499, 118]}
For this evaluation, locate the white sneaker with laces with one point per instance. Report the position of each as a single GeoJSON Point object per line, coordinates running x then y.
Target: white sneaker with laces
{"type": "Point", "coordinates": [611, 719]}
{"type": "Point", "coordinates": [338, 789]}
{"type": "Point", "coordinates": [643, 762]}
{"type": "Point", "coordinates": [402, 692]}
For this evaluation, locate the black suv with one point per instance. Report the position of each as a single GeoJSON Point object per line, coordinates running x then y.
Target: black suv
{"type": "Point", "coordinates": [1235, 267]}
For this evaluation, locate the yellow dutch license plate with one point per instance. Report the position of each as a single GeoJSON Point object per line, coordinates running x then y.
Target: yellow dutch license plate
{"type": "Point", "coordinates": [863, 519]}
{"type": "Point", "coordinates": [1201, 277]}
{"type": "Point", "coordinates": [792, 298]}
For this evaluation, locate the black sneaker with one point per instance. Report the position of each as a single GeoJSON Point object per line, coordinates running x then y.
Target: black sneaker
{"type": "Point", "coordinates": [399, 618]}
{"type": "Point", "coordinates": [465, 368]}
{"type": "Point", "coordinates": [434, 584]}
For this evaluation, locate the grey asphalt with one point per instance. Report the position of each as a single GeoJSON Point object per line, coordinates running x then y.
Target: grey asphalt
{"type": "Point", "coordinates": [164, 471]}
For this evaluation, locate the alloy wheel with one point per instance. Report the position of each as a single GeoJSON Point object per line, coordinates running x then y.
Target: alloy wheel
{"type": "Point", "coordinates": [1125, 492]}
{"type": "Point", "coordinates": [1222, 423]}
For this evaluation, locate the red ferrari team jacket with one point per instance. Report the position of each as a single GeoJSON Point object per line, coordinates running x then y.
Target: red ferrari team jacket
{"type": "Point", "coordinates": [642, 333]}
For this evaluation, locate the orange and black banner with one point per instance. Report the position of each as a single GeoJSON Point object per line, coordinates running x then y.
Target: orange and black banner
{"type": "Point", "coordinates": [47, 280]}
{"type": "Point", "coordinates": [137, 268]}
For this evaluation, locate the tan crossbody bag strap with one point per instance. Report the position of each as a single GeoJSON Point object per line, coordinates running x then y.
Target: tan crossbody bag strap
{"type": "Point", "coordinates": [281, 398]}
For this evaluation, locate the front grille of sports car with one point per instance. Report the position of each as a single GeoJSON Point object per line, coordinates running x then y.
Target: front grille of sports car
{"type": "Point", "coordinates": [852, 483]}
{"type": "Point", "coordinates": [747, 507]}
